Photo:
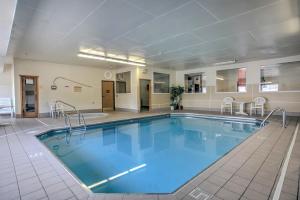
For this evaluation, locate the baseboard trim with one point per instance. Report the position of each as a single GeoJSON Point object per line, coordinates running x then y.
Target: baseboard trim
{"type": "Point", "coordinates": [292, 114]}
{"type": "Point", "coordinates": [126, 110]}
{"type": "Point", "coordinates": [161, 109]}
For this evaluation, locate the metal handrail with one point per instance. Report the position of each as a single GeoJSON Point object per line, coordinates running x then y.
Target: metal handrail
{"type": "Point", "coordinates": [271, 113]}
{"type": "Point", "coordinates": [67, 117]}
{"type": "Point", "coordinates": [65, 103]}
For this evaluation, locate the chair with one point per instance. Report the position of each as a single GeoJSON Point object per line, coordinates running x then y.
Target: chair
{"type": "Point", "coordinates": [7, 106]}
{"type": "Point", "coordinates": [227, 103]}
{"type": "Point", "coordinates": [258, 103]}
{"type": "Point", "coordinates": [56, 110]}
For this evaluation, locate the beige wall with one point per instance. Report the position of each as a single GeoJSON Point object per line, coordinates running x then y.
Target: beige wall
{"type": "Point", "coordinates": [131, 100]}
{"type": "Point", "coordinates": [128, 100]}
{"type": "Point", "coordinates": [88, 98]}
{"type": "Point", "coordinates": [158, 100]}
{"type": "Point", "coordinates": [212, 99]}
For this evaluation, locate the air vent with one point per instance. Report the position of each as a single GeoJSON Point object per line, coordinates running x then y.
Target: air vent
{"type": "Point", "coordinates": [199, 194]}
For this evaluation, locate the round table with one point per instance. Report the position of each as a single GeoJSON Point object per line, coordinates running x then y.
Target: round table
{"type": "Point", "coordinates": [242, 107]}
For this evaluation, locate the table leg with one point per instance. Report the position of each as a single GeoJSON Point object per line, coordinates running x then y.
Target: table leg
{"type": "Point", "coordinates": [241, 111]}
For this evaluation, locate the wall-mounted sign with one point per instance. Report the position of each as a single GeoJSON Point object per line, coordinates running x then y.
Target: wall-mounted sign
{"type": "Point", "coordinates": [77, 89]}
{"type": "Point", "coordinates": [53, 87]}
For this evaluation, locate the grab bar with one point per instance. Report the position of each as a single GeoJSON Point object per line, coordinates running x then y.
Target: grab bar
{"type": "Point", "coordinates": [67, 104]}
{"type": "Point", "coordinates": [81, 120]}
{"type": "Point", "coordinates": [271, 113]}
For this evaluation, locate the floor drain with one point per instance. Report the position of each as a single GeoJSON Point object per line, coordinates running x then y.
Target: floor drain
{"type": "Point", "coordinates": [199, 194]}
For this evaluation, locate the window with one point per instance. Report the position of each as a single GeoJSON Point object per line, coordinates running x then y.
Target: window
{"type": "Point", "coordinates": [280, 77]}
{"type": "Point", "coordinates": [123, 82]}
{"type": "Point", "coordinates": [161, 82]}
{"type": "Point", "coordinates": [195, 83]}
{"type": "Point", "coordinates": [231, 80]}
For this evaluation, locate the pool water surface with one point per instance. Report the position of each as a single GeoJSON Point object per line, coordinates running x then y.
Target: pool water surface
{"type": "Point", "coordinates": [149, 155]}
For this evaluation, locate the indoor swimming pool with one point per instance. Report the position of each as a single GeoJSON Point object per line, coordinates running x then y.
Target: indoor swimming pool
{"type": "Point", "coordinates": [155, 154]}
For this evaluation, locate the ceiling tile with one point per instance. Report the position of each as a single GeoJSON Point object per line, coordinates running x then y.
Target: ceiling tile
{"type": "Point", "coordinates": [186, 35]}
{"type": "Point", "coordinates": [282, 34]}
{"type": "Point", "coordinates": [171, 44]}
{"type": "Point", "coordinates": [110, 21]}
{"type": "Point", "coordinates": [228, 8]}
{"type": "Point", "coordinates": [187, 18]}
{"type": "Point", "coordinates": [281, 11]}
{"type": "Point", "coordinates": [164, 5]}
{"type": "Point", "coordinates": [58, 18]}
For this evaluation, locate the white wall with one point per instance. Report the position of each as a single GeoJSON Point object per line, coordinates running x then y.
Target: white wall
{"type": "Point", "coordinates": [89, 98]}
{"type": "Point", "coordinates": [131, 100]}
{"type": "Point", "coordinates": [6, 82]}
{"type": "Point", "coordinates": [158, 100]}
{"type": "Point", "coordinates": [128, 100]}
{"type": "Point", "coordinates": [212, 99]}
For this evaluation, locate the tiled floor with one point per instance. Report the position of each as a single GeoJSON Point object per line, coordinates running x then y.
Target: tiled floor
{"type": "Point", "coordinates": [29, 171]}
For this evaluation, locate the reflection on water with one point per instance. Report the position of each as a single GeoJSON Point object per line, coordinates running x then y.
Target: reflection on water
{"type": "Point", "coordinates": [170, 150]}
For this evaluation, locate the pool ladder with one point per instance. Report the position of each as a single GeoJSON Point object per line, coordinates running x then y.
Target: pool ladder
{"type": "Point", "coordinates": [283, 112]}
{"type": "Point", "coordinates": [81, 128]}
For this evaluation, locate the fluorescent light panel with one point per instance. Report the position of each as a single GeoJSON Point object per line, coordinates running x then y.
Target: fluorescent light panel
{"type": "Point", "coordinates": [110, 59]}
{"type": "Point", "coordinates": [226, 62]}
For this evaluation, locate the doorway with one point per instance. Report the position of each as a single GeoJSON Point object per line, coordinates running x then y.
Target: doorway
{"type": "Point", "coordinates": [145, 95]}
{"type": "Point", "coordinates": [108, 95]}
{"type": "Point", "coordinates": [29, 95]}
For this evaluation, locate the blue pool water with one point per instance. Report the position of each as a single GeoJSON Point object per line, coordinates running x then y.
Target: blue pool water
{"type": "Point", "coordinates": [150, 155]}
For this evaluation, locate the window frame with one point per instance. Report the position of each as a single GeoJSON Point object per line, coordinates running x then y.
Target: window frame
{"type": "Point", "coordinates": [236, 92]}
{"type": "Point", "coordinates": [130, 83]}
{"type": "Point", "coordinates": [200, 73]}
{"type": "Point", "coordinates": [153, 84]}
{"type": "Point", "coordinates": [279, 91]}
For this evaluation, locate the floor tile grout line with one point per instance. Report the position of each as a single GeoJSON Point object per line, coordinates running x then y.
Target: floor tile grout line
{"type": "Point", "coordinates": [244, 164]}
{"type": "Point", "coordinates": [206, 179]}
{"type": "Point", "coordinates": [32, 167]}
{"type": "Point", "coordinates": [284, 165]}
{"type": "Point", "coordinates": [21, 136]}
{"type": "Point", "coordinates": [236, 169]}
{"type": "Point", "coordinates": [59, 175]}
{"type": "Point", "coordinates": [274, 145]}
{"type": "Point", "coordinates": [6, 138]}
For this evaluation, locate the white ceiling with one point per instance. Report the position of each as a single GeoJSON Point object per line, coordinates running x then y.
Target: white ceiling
{"type": "Point", "coordinates": [177, 34]}
{"type": "Point", "coordinates": [7, 10]}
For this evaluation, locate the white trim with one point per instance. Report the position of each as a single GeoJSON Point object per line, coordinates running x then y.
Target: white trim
{"type": "Point", "coordinates": [195, 93]}
{"type": "Point", "coordinates": [232, 92]}
{"type": "Point", "coordinates": [270, 66]}
{"type": "Point", "coordinates": [161, 93]}
{"type": "Point", "coordinates": [277, 91]}
{"type": "Point", "coordinates": [285, 166]}
{"type": "Point", "coordinates": [153, 83]}
{"type": "Point", "coordinates": [41, 122]}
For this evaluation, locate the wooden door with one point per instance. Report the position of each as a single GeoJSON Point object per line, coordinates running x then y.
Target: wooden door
{"type": "Point", "coordinates": [29, 95]}
{"type": "Point", "coordinates": [108, 95]}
